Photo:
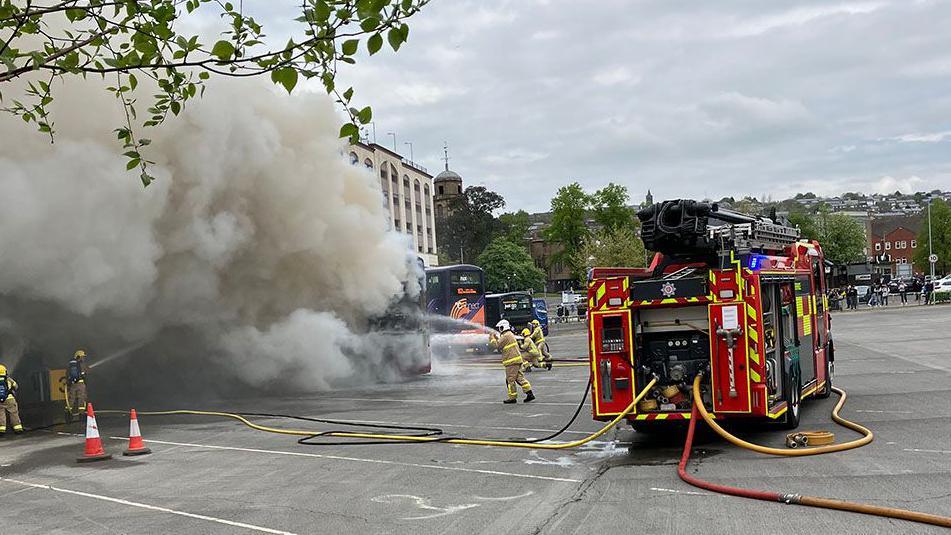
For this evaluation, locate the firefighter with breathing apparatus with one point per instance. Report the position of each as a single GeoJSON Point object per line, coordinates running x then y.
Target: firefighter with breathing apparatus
{"type": "Point", "coordinates": [8, 403]}
{"type": "Point", "coordinates": [534, 353]}
{"type": "Point", "coordinates": [76, 383]}
{"type": "Point", "coordinates": [507, 344]}
{"type": "Point", "coordinates": [538, 336]}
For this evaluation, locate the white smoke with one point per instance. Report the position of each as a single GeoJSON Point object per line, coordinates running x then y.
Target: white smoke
{"type": "Point", "coordinates": [258, 233]}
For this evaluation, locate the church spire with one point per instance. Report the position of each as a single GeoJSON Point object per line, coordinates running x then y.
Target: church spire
{"type": "Point", "coordinates": [445, 152]}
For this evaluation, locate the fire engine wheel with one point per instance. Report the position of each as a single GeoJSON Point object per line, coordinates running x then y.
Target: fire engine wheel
{"type": "Point", "coordinates": [795, 400]}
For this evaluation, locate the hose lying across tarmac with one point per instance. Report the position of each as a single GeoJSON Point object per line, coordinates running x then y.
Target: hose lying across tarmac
{"type": "Point", "coordinates": [429, 435]}
{"type": "Point", "coordinates": [795, 499]}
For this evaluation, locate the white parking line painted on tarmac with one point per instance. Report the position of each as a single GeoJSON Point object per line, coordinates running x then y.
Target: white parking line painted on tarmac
{"type": "Point", "coordinates": [926, 451]}
{"type": "Point", "coordinates": [360, 460]}
{"type": "Point", "coordinates": [445, 402]}
{"type": "Point", "coordinates": [884, 412]}
{"type": "Point", "coordinates": [673, 491]}
{"type": "Point", "coordinates": [120, 501]}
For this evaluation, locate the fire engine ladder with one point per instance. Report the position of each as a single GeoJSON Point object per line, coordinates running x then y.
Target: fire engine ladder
{"type": "Point", "coordinates": [758, 235]}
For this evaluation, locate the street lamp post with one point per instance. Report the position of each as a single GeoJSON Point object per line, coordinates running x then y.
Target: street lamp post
{"type": "Point", "coordinates": [410, 150]}
{"type": "Point", "coordinates": [394, 139]}
{"type": "Point", "coordinates": [930, 249]}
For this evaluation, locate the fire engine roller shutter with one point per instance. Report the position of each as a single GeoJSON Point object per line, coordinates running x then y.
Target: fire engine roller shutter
{"type": "Point", "coordinates": [733, 314]}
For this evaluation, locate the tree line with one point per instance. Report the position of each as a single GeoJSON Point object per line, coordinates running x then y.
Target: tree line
{"type": "Point", "coordinates": [585, 230]}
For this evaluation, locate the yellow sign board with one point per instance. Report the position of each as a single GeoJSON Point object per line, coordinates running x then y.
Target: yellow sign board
{"type": "Point", "coordinates": [57, 385]}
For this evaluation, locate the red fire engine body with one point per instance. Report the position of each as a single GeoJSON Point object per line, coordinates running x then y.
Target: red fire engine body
{"type": "Point", "coordinates": [737, 298]}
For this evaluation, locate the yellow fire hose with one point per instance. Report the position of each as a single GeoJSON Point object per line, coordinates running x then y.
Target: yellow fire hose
{"type": "Point", "coordinates": [408, 438]}
{"type": "Point", "coordinates": [867, 435]}
{"type": "Point", "coordinates": [811, 501]}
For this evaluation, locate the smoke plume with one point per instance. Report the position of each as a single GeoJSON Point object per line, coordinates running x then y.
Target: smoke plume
{"type": "Point", "coordinates": [258, 251]}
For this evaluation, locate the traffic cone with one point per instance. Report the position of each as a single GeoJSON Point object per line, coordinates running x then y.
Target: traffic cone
{"type": "Point", "coordinates": [136, 444]}
{"type": "Point", "coordinates": [94, 451]}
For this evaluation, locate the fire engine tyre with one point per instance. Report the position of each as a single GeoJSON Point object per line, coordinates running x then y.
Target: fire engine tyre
{"type": "Point", "coordinates": [795, 400]}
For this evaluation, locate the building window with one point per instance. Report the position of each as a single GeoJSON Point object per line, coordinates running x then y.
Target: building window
{"type": "Point", "coordinates": [396, 223]}
{"type": "Point", "coordinates": [914, 244]}
{"type": "Point", "coordinates": [904, 244]}
{"type": "Point", "coordinates": [441, 190]}
{"type": "Point", "coordinates": [888, 245]}
{"type": "Point", "coordinates": [368, 163]}
{"type": "Point", "coordinates": [416, 185]}
{"type": "Point", "coordinates": [409, 227]}
{"type": "Point", "coordinates": [878, 246]}
{"type": "Point", "coordinates": [354, 158]}
{"type": "Point", "coordinates": [406, 181]}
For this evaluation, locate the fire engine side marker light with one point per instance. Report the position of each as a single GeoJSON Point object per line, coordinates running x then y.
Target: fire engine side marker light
{"type": "Point", "coordinates": [120, 501]}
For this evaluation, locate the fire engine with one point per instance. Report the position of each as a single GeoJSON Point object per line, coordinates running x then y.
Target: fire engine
{"type": "Point", "coordinates": [737, 298]}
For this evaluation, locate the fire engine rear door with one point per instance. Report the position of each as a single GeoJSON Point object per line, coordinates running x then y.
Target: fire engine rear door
{"type": "Point", "coordinates": [728, 358]}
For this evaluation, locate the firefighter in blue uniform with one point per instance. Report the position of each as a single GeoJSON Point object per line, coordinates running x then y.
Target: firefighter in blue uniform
{"type": "Point", "coordinates": [76, 383]}
{"type": "Point", "coordinates": [8, 403]}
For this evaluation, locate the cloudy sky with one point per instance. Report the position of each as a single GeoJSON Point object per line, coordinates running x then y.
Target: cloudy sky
{"type": "Point", "coordinates": [697, 99]}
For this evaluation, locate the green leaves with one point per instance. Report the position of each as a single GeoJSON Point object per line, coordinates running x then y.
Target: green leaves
{"type": "Point", "coordinates": [374, 43]}
{"type": "Point", "coordinates": [223, 50]}
{"type": "Point", "coordinates": [140, 51]}
{"type": "Point", "coordinates": [286, 76]}
{"type": "Point", "coordinates": [349, 47]}
{"type": "Point", "coordinates": [350, 131]}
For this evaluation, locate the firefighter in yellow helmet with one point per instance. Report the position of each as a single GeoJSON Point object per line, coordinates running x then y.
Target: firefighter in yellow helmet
{"type": "Point", "coordinates": [76, 383]}
{"type": "Point", "coordinates": [528, 346]}
{"type": "Point", "coordinates": [512, 360]}
{"type": "Point", "coordinates": [8, 403]}
{"type": "Point", "coordinates": [538, 336]}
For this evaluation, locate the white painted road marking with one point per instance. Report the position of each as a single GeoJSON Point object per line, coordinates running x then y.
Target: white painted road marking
{"type": "Point", "coordinates": [926, 451]}
{"type": "Point", "coordinates": [884, 412]}
{"type": "Point", "coordinates": [423, 503]}
{"type": "Point", "coordinates": [354, 459]}
{"type": "Point", "coordinates": [690, 492]}
{"type": "Point", "coordinates": [251, 527]}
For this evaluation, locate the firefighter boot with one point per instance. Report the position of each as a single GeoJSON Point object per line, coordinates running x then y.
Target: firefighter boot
{"type": "Point", "coordinates": [508, 401]}
{"type": "Point", "coordinates": [548, 364]}
{"type": "Point", "coordinates": [529, 396]}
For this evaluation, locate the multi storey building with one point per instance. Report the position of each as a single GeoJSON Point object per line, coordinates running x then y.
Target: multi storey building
{"type": "Point", "coordinates": [407, 190]}
{"type": "Point", "coordinates": [892, 244]}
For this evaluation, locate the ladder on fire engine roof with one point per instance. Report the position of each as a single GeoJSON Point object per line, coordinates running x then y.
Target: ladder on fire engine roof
{"type": "Point", "coordinates": [759, 235]}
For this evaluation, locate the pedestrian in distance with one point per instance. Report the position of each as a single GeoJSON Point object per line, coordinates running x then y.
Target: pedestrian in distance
{"type": "Point", "coordinates": [76, 383]}
{"type": "Point", "coordinates": [903, 293]}
{"type": "Point", "coordinates": [8, 403]}
{"type": "Point", "coordinates": [507, 344]}
{"type": "Point", "coordinates": [885, 292]}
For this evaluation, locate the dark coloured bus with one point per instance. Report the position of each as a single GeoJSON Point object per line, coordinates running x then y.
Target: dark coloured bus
{"type": "Point", "coordinates": [457, 292]}
{"type": "Point", "coordinates": [517, 307]}
{"type": "Point", "coordinates": [403, 334]}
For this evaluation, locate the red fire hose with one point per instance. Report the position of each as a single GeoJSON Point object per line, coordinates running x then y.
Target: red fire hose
{"type": "Point", "coordinates": [796, 499]}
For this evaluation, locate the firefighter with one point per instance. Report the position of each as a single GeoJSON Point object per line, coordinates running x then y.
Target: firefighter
{"type": "Point", "coordinates": [512, 360]}
{"type": "Point", "coordinates": [8, 403]}
{"type": "Point", "coordinates": [76, 382]}
{"type": "Point", "coordinates": [534, 354]}
{"type": "Point", "coordinates": [538, 336]}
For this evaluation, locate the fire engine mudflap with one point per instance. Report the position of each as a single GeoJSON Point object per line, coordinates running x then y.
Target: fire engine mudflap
{"type": "Point", "coordinates": [730, 315]}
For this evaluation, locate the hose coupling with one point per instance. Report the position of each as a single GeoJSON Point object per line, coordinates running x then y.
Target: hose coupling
{"type": "Point", "coordinates": [793, 499]}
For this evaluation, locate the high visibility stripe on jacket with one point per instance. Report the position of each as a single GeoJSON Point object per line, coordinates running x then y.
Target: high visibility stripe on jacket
{"type": "Point", "coordinates": [529, 347]}
{"type": "Point", "coordinates": [538, 335]}
{"type": "Point", "coordinates": [510, 353]}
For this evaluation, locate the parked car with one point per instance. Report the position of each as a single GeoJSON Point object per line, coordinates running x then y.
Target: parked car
{"type": "Point", "coordinates": [541, 313]}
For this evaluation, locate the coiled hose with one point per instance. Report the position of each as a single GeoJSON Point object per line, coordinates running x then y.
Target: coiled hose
{"type": "Point", "coordinates": [790, 498]}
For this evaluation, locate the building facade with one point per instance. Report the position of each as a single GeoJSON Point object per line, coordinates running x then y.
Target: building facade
{"type": "Point", "coordinates": [407, 190]}
{"type": "Point", "coordinates": [893, 242]}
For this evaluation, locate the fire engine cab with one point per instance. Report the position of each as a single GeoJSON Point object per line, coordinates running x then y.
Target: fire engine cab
{"type": "Point", "coordinates": [738, 298]}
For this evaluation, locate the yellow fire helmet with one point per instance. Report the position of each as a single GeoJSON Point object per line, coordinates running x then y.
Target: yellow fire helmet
{"type": "Point", "coordinates": [79, 354]}
{"type": "Point", "coordinates": [526, 332]}
{"type": "Point", "coordinates": [3, 369]}
{"type": "Point", "coordinates": [536, 322]}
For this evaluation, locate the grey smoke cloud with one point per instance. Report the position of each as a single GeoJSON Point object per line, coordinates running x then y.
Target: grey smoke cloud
{"type": "Point", "coordinates": [258, 237]}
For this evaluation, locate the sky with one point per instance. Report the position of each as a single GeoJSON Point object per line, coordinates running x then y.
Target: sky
{"type": "Point", "coordinates": [687, 99]}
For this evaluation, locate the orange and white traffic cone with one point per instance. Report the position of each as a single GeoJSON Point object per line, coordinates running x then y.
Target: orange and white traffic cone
{"type": "Point", "coordinates": [136, 444]}
{"type": "Point", "coordinates": [94, 451]}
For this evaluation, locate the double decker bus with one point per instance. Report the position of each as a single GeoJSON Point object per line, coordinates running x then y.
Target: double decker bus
{"type": "Point", "coordinates": [457, 292]}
